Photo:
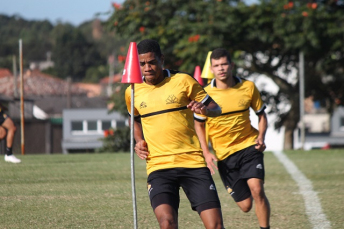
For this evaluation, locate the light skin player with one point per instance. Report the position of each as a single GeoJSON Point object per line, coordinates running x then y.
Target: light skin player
{"type": "Point", "coordinates": [237, 145]}
{"type": "Point", "coordinates": [166, 139]}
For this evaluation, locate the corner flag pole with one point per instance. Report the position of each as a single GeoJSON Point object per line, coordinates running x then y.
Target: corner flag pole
{"type": "Point", "coordinates": [21, 98]}
{"type": "Point", "coordinates": [132, 74]}
{"type": "Point", "coordinates": [133, 189]}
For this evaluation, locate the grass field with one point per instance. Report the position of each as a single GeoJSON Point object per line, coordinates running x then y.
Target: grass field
{"type": "Point", "coordinates": [94, 191]}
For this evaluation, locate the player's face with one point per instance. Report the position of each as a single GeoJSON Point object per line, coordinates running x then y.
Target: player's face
{"type": "Point", "coordinates": [151, 67]}
{"type": "Point", "coordinates": [221, 68]}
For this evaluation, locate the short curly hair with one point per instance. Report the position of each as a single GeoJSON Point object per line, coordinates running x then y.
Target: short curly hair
{"type": "Point", "coordinates": [149, 45]}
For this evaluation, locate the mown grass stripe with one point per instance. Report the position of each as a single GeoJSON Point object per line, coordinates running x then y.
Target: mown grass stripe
{"type": "Point", "coordinates": [312, 203]}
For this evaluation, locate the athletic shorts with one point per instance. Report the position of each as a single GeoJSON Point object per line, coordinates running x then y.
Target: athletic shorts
{"type": "Point", "coordinates": [237, 168]}
{"type": "Point", "coordinates": [197, 184]}
{"type": "Point", "coordinates": [3, 117]}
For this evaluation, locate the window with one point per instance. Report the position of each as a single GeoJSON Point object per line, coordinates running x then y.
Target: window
{"type": "Point", "coordinates": [106, 125]}
{"type": "Point", "coordinates": [92, 126]}
{"type": "Point", "coordinates": [341, 124]}
{"type": "Point", "coordinates": [77, 126]}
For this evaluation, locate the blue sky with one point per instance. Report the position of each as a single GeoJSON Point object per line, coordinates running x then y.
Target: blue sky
{"type": "Point", "coordinates": [72, 11]}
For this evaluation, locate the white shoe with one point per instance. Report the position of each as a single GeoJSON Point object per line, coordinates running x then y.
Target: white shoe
{"type": "Point", "coordinates": [12, 159]}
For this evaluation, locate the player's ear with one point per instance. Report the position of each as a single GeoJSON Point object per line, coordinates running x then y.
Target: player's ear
{"type": "Point", "coordinates": [211, 70]}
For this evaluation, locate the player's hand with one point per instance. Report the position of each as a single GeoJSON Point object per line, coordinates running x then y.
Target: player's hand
{"type": "Point", "coordinates": [197, 107]}
{"type": "Point", "coordinates": [141, 149]}
{"type": "Point", "coordinates": [209, 159]}
{"type": "Point", "coordinates": [260, 145]}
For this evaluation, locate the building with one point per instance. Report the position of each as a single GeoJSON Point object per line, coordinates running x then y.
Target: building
{"type": "Point", "coordinates": [322, 130]}
{"type": "Point", "coordinates": [45, 98]}
{"type": "Point", "coordinates": [84, 128]}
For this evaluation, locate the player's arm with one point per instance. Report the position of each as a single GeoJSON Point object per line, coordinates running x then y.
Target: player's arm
{"type": "Point", "coordinates": [262, 126]}
{"type": "Point", "coordinates": [208, 156]}
{"type": "Point", "coordinates": [141, 148]}
{"type": "Point", "coordinates": [210, 108]}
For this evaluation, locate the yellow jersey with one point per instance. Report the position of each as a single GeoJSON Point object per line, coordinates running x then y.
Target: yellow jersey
{"type": "Point", "coordinates": [167, 124]}
{"type": "Point", "coordinates": [232, 130]}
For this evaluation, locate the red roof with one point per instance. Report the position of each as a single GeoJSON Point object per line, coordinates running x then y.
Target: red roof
{"type": "Point", "coordinates": [116, 78]}
{"type": "Point", "coordinates": [5, 72]}
{"type": "Point", "coordinates": [38, 83]}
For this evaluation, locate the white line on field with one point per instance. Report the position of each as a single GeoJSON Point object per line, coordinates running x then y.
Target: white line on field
{"type": "Point", "coordinates": [312, 202]}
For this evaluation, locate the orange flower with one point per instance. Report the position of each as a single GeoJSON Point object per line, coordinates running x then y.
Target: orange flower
{"type": "Point", "coordinates": [147, 3]}
{"type": "Point", "coordinates": [194, 38]}
{"type": "Point", "coordinates": [116, 23]}
{"type": "Point", "coordinates": [290, 5]}
{"type": "Point", "coordinates": [117, 6]}
{"type": "Point", "coordinates": [121, 58]}
{"type": "Point", "coordinates": [286, 6]}
{"type": "Point", "coordinates": [305, 14]}
{"type": "Point", "coordinates": [142, 29]}
{"type": "Point", "coordinates": [314, 6]}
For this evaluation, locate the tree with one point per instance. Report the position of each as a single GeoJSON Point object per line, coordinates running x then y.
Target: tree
{"type": "Point", "coordinates": [275, 33]}
{"type": "Point", "coordinates": [264, 38]}
{"type": "Point", "coordinates": [72, 53]}
{"type": "Point", "coordinates": [35, 39]}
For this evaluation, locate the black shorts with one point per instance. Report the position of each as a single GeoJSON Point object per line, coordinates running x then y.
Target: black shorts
{"type": "Point", "coordinates": [3, 117]}
{"type": "Point", "coordinates": [237, 168]}
{"type": "Point", "coordinates": [197, 184]}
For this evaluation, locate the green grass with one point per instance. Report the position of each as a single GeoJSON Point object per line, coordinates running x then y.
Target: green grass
{"type": "Point", "coordinates": [94, 191]}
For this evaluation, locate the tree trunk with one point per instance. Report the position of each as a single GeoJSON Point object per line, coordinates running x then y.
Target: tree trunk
{"type": "Point", "coordinates": [291, 122]}
{"type": "Point", "coordinates": [288, 139]}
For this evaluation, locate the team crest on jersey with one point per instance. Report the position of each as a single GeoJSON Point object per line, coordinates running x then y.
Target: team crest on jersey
{"type": "Point", "coordinates": [243, 103]}
{"type": "Point", "coordinates": [171, 99]}
{"type": "Point", "coordinates": [143, 105]}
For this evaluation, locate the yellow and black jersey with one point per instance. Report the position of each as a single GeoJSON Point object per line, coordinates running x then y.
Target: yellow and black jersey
{"type": "Point", "coordinates": [232, 130]}
{"type": "Point", "coordinates": [168, 125]}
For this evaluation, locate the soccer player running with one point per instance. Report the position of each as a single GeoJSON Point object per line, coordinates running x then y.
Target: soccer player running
{"type": "Point", "coordinates": [237, 145]}
{"type": "Point", "coordinates": [8, 130]}
{"type": "Point", "coordinates": [165, 137]}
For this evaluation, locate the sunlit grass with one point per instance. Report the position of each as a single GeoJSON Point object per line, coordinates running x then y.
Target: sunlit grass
{"type": "Point", "coordinates": [94, 191]}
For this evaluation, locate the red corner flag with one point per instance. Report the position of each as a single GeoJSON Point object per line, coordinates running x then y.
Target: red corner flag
{"type": "Point", "coordinates": [132, 72]}
{"type": "Point", "coordinates": [197, 75]}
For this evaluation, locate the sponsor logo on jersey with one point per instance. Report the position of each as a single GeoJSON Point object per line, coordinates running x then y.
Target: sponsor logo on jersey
{"type": "Point", "coordinates": [243, 103]}
{"type": "Point", "coordinates": [171, 99]}
{"type": "Point", "coordinates": [259, 166]}
{"type": "Point", "coordinates": [143, 105]}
